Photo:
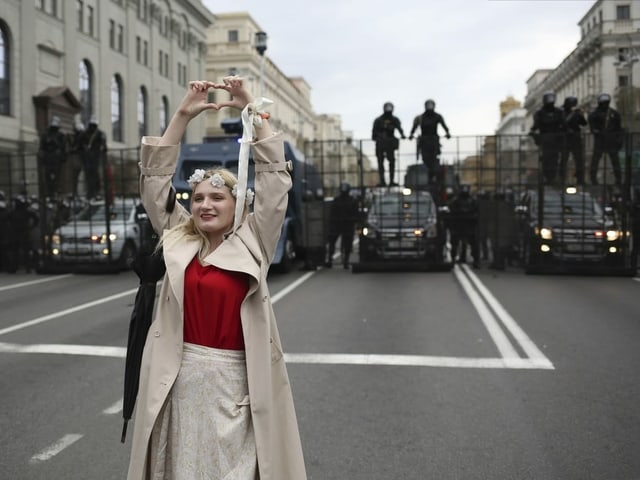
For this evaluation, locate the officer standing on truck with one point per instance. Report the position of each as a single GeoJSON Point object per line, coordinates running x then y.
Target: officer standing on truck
{"type": "Point", "coordinates": [608, 137]}
{"type": "Point", "coordinates": [547, 132]}
{"type": "Point", "coordinates": [429, 140]}
{"type": "Point", "coordinates": [574, 120]}
{"type": "Point", "coordinates": [383, 133]}
{"type": "Point", "coordinates": [52, 153]}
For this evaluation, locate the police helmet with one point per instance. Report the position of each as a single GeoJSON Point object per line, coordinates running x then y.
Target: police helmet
{"type": "Point", "coordinates": [570, 102]}
{"type": "Point", "coordinates": [387, 107]}
{"type": "Point", "coordinates": [429, 105]}
{"type": "Point", "coordinates": [604, 99]}
{"type": "Point", "coordinates": [549, 98]}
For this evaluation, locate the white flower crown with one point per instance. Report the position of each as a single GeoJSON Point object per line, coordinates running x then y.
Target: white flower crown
{"type": "Point", "coordinates": [217, 181]}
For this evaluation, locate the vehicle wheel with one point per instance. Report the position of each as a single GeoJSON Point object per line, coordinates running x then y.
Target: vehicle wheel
{"type": "Point", "coordinates": [128, 256]}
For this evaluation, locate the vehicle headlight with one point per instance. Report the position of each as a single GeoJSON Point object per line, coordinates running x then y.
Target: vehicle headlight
{"type": "Point", "coordinates": [545, 233]}
{"type": "Point", "coordinates": [112, 237]}
{"type": "Point", "coordinates": [182, 196]}
{"type": "Point", "coordinates": [418, 232]}
{"type": "Point", "coordinates": [55, 238]}
{"type": "Point", "coordinates": [366, 231]}
{"type": "Point", "coordinates": [613, 235]}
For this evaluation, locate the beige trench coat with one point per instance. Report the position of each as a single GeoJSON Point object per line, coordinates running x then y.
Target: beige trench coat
{"type": "Point", "coordinates": [249, 250]}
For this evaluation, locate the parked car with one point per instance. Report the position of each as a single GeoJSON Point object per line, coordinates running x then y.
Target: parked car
{"type": "Point", "coordinates": [100, 234]}
{"type": "Point", "coordinates": [403, 229]}
{"type": "Point", "coordinates": [569, 228]}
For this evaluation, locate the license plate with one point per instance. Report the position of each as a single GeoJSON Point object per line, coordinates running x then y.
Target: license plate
{"type": "Point", "coordinates": [394, 244]}
{"type": "Point", "coordinates": [580, 247]}
{"type": "Point", "coordinates": [78, 251]}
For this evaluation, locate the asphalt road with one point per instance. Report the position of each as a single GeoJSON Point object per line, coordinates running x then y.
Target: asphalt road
{"type": "Point", "coordinates": [469, 374]}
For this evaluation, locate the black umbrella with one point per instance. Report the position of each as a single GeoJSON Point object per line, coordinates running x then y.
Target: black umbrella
{"type": "Point", "coordinates": [150, 269]}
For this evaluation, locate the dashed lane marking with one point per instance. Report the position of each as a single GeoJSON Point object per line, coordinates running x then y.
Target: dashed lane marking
{"type": "Point", "coordinates": [34, 282]}
{"type": "Point", "coordinates": [55, 448]}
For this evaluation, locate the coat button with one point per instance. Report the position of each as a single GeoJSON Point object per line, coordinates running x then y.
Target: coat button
{"type": "Point", "coordinates": [265, 298]}
{"type": "Point", "coordinates": [156, 333]}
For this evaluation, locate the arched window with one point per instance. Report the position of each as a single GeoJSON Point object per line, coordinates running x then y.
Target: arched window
{"type": "Point", "coordinates": [5, 72]}
{"type": "Point", "coordinates": [164, 114]}
{"type": "Point", "coordinates": [142, 112]}
{"type": "Point", "coordinates": [116, 109]}
{"type": "Point", "coordinates": [85, 83]}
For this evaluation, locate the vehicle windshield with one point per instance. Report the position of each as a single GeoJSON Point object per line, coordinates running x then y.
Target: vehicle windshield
{"type": "Point", "coordinates": [402, 205]}
{"type": "Point", "coordinates": [97, 212]}
{"type": "Point", "coordinates": [577, 204]}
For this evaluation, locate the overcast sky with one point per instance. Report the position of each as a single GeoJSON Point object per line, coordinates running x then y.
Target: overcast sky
{"type": "Point", "coordinates": [468, 55]}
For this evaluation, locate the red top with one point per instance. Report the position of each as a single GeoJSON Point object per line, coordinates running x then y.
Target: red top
{"type": "Point", "coordinates": [212, 299]}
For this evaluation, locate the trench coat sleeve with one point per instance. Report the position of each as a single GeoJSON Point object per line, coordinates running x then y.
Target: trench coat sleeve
{"type": "Point", "coordinates": [272, 183]}
{"type": "Point", "coordinates": [157, 166]}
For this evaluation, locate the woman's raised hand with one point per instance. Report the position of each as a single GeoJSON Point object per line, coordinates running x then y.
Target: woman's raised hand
{"type": "Point", "coordinates": [195, 100]}
{"type": "Point", "coordinates": [240, 97]}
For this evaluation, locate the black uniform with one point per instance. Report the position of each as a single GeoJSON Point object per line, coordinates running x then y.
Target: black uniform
{"type": "Point", "coordinates": [52, 154]}
{"type": "Point", "coordinates": [96, 149]}
{"type": "Point", "coordinates": [77, 142]}
{"type": "Point", "coordinates": [463, 226]}
{"type": "Point", "coordinates": [547, 131]}
{"type": "Point", "coordinates": [429, 140]}
{"type": "Point", "coordinates": [387, 143]}
{"type": "Point", "coordinates": [608, 137]}
{"type": "Point", "coordinates": [342, 222]}
{"type": "Point", "coordinates": [574, 120]}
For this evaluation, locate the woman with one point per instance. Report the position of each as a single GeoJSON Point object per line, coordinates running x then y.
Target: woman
{"type": "Point", "coordinates": [214, 399]}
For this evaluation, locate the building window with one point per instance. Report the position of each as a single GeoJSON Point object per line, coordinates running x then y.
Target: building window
{"type": "Point", "coordinates": [166, 64]}
{"type": "Point", "coordinates": [145, 53]}
{"type": "Point", "coordinates": [85, 84]}
{"type": "Point", "coordinates": [164, 114]}
{"type": "Point", "coordinates": [623, 81]}
{"type": "Point", "coordinates": [116, 108]}
{"type": "Point", "coordinates": [54, 8]}
{"type": "Point", "coordinates": [232, 36]}
{"type": "Point", "coordinates": [90, 20]}
{"type": "Point", "coordinates": [138, 49]}
{"type": "Point", "coordinates": [80, 11]}
{"type": "Point", "coordinates": [112, 34]}
{"type": "Point", "coordinates": [142, 112]}
{"type": "Point", "coordinates": [5, 73]}
{"type": "Point", "coordinates": [623, 54]}
{"type": "Point", "coordinates": [40, 4]}
{"type": "Point", "coordinates": [120, 38]}
{"type": "Point", "coordinates": [623, 12]}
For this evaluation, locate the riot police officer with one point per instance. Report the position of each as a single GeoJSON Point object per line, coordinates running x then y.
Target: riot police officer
{"type": "Point", "coordinates": [342, 222]}
{"type": "Point", "coordinates": [547, 131]}
{"type": "Point", "coordinates": [51, 155]}
{"type": "Point", "coordinates": [574, 120]}
{"type": "Point", "coordinates": [383, 133]}
{"type": "Point", "coordinates": [608, 137]}
{"type": "Point", "coordinates": [429, 140]}
{"type": "Point", "coordinates": [95, 156]}
{"type": "Point", "coordinates": [463, 225]}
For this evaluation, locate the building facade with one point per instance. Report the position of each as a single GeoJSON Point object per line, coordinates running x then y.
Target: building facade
{"type": "Point", "coordinates": [124, 62]}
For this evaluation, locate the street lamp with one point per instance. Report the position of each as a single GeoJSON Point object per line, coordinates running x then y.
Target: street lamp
{"type": "Point", "coordinates": [261, 47]}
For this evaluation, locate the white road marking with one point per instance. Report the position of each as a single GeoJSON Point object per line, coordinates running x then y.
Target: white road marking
{"type": "Point", "coordinates": [62, 313]}
{"type": "Point", "coordinates": [413, 360]}
{"type": "Point", "coordinates": [530, 348]}
{"type": "Point", "coordinates": [490, 323]}
{"type": "Point", "coordinates": [34, 282]}
{"type": "Point", "coordinates": [114, 409]}
{"type": "Point", "coordinates": [292, 286]}
{"type": "Point", "coordinates": [56, 448]}
{"type": "Point", "coordinates": [305, 358]}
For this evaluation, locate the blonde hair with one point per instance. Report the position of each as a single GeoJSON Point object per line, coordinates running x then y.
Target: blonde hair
{"type": "Point", "coordinates": [189, 229]}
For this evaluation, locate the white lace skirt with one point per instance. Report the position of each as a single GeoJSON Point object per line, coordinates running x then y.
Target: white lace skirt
{"type": "Point", "coordinates": [204, 430]}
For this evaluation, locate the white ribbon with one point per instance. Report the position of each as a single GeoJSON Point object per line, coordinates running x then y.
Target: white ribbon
{"type": "Point", "coordinates": [250, 117]}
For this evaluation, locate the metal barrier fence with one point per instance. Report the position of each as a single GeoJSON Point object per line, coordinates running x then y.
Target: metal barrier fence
{"type": "Point", "coordinates": [30, 219]}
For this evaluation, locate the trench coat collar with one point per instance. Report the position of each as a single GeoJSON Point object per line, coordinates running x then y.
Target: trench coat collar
{"type": "Point", "coordinates": [230, 255]}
